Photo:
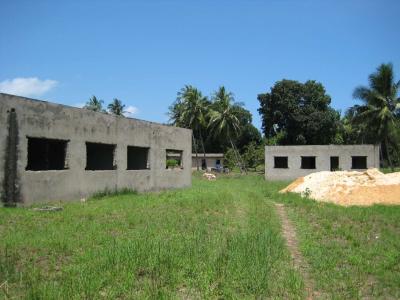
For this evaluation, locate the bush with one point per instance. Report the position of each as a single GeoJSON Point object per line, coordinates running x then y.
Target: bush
{"type": "Point", "coordinates": [172, 163]}
{"type": "Point", "coordinates": [253, 155]}
{"type": "Point", "coordinates": [229, 159]}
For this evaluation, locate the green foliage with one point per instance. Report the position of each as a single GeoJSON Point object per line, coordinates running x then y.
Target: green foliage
{"type": "Point", "coordinates": [224, 115]}
{"type": "Point", "coordinates": [276, 139]}
{"type": "Point", "coordinates": [116, 107]}
{"type": "Point", "coordinates": [229, 159]}
{"type": "Point", "coordinates": [172, 163]}
{"type": "Point", "coordinates": [95, 105]}
{"type": "Point", "coordinates": [300, 113]}
{"type": "Point", "coordinates": [216, 124]}
{"type": "Point", "coordinates": [253, 155]}
{"type": "Point", "coordinates": [189, 111]}
{"type": "Point", "coordinates": [377, 119]}
{"type": "Point", "coordinates": [249, 134]}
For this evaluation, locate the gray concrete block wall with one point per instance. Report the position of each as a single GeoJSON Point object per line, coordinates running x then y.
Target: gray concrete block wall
{"type": "Point", "coordinates": [48, 120]}
{"type": "Point", "coordinates": [211, 162]}
{"type": "Point", "coordinates": [322, 154]}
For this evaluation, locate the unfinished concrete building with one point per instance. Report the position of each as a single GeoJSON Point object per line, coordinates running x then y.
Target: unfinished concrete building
{"type": "Point", "coordinates": [290, 162]}
{"type": "Point", "coordinates": [208, 161]}
{"type": "Point", "coordinates": [55, 152]}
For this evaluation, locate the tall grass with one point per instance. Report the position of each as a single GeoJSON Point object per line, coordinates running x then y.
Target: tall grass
{"type": "Point", "coordinates": [217, 239]}
{"type": "Point", "coordinates": [353, 252]}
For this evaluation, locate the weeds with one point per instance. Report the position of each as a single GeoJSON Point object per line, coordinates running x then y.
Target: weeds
{"type": "Point", "coordinates": [219, 239]}
{"type": "Point", "coordinates": [216, 240]}
{"type": "Point", "coordinates": [353, 252]}
{"type": "Point", "coordinates": [112, 193]}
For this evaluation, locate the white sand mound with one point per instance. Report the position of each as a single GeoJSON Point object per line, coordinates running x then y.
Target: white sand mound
{"type": "Point", "coordinates": [209, 176]}
{"type": "Point", "coordinates": [349, 187]}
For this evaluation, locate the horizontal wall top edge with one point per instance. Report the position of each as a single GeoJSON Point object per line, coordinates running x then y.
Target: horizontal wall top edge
{"type": "Point", "coordinates": [308, 147]}
{"type": "Point", "coordinates": [89, 112]}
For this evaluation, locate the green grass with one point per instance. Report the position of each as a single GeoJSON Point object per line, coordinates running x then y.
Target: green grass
{"type": "Point", "coordinates": [216, 240]}
{"type": "Point", "coordinates": [389, 170]}
{"type": "Point", "coordinates": [354, 252]}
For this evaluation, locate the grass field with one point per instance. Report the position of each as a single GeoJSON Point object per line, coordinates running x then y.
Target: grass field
{"type": "Point", "coordinates": [353, 252]}
{"type": "Point", "coordinates": [217, 239]}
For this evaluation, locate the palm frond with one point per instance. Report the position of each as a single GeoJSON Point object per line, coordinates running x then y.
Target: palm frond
{"type": "Point", "coordinates": [362, 93]}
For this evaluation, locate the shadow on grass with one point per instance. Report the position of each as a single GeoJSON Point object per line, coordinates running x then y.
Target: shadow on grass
{"type": "Point", "coordinates": [112, 193]}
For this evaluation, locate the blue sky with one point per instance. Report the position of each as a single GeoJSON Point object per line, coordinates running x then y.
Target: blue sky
{"type": "Point", "coordinates": [143, 52]}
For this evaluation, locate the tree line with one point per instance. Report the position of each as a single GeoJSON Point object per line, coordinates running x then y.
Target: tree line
{"type": "Point", "coordinates": [296, 113]}
{"type": "Point", "coordinates": [219, 122]}
{"type": "Point", "coordinates": [292, 113]}
{"type": "Point", "coordinates": [115, 107]}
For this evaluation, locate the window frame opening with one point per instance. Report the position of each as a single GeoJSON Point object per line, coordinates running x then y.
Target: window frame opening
{"type": "Point", "coordinates": [93, 158]}
{"type": "Point", "coordinates": [281, 162]}
{"type": "Point", "coordinates": [203, 164]}
{"type": "Point", "coordinates": [308, 162]}
{"type": "Point", "coordinates": [137, 158]}
{"type": "Point", "coordinates": [172, 155]}
{"type": "Point", "coordinates": [334, 163]}
{"type": "Point", "coordinates": [355, 164]}
{"type": "Point", "coordinates": [46, 154]}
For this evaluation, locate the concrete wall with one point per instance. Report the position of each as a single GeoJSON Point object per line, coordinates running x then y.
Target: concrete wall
{"type": "Point", "coordinates": [322, 153]}
{"type": "Point", "coordinates": [48, 120]}
{"type": "Point", "coordinates": [210, 161]}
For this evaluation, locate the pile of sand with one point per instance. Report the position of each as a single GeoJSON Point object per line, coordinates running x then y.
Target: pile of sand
{"type": "Point", "coordinates": [349, 188]}
{"type": "Point", "coordinates": [209, 176]}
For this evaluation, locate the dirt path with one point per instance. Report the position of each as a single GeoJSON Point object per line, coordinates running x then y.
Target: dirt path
{"type": "Point", "coordinates": [289, 234]}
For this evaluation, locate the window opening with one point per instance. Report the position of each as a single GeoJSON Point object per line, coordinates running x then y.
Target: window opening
{"type": "Point", "coordinates": [46, 154]}
{"type": "Point", "coordinates": [308, 162]}
{"type": "Point", "coordinates": [138, 158]}
{"type": "Point", "coordinates": [334, 163]}
{"type": "Point", "coordinates": [358, 162]}
{"type": "Point", "coordinates": [173, 159]}
{"type": "Point", "coordinates": [280, 162]}
{"type": "Point", "coordinates": [100, 156]}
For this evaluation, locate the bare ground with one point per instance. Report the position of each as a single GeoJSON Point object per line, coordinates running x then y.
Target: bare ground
{"type": "Point", "coordinates": [289, 233]}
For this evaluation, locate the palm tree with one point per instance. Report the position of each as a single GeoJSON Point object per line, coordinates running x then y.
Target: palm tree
{"type": "Point", "coordinates": [223, 119]}
{"type": "Point", "coordinates": [116, 107]}
{"type": "Point", "coordinates": [192, 108]}
{"type": "Point", "coordinates": [381, 105]}
{"type": "Point", "coordinates": [94, 104]}
{"type": "Point", "coordinates": [175, 113]}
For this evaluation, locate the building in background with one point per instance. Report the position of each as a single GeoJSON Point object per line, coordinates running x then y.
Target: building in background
{"type": "Point", "coordinates": [290, 162]}
{"type": "Point", "coordinates": [212, 161]}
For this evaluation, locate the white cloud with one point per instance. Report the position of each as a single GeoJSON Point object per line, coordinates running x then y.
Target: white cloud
{"type": "Point", "coordinates": [130, 111]}
{"type": "Point", "coordinates": [79, 105]}
{"type": "Point", "coordinates": [28, 87]}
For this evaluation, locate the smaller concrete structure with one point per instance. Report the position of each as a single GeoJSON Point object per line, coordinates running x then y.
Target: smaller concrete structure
{"type": "Point", "coordinates": [211, 161]}
{"type": "Point", "coordinates": [290, 162]}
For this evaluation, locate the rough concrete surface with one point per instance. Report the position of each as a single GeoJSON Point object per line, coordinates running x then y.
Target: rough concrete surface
{"type": "Point", "coordinates": [322, 154]}
{"type": "Point", "coordinates": [42, 119]}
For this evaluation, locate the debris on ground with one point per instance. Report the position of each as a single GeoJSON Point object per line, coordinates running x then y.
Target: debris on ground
{"type": "Point", "coordinates": [48, 208]}
{"type": "Point", "coordinates": [209, 176]}
{"type": "Point", "coordinates": [349, 187]}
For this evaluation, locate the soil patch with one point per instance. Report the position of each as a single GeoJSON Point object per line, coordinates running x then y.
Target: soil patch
{"type": "Point", "coordinates": [290, 236]}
